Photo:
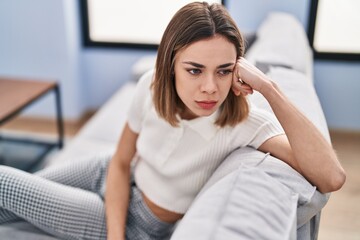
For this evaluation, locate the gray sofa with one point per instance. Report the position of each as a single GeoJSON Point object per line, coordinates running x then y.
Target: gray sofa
{"type": "Point", "coordinates": [251, 195]}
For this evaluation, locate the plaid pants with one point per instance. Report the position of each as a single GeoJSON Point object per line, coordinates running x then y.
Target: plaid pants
{"type": "Point", "coordinates": [67, 201]}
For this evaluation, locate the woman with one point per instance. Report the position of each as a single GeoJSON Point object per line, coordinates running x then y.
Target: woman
{"type": "Point", "coordinates": [185, 118]}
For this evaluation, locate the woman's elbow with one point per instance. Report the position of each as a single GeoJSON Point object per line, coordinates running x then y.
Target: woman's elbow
{"type": "Point", "coordinates": [339, 180]}
{"type": "Point", "coordinates": [335, 182]}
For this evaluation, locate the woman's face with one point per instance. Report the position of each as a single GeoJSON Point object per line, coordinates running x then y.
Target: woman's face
{"type": "Point", "coordinates": [203, 75]}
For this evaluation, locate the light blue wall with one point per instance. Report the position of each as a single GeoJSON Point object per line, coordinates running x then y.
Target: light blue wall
{"type": "Point", "coordinates": [41, 39]}
{"type": "Point", "coordinates": [105, 70]}
{"type": "Point", "coordinates": [338, 87]}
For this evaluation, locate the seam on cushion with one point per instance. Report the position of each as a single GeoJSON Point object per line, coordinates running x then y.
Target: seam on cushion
{"type": "Point", "coordinates": [307, 199]}
{"type": "Point", "coordinates": [300, 204]}
{"type": "Point", "coordinates": [226, 203]}
{"type": "Point", "coordinates": [262, 160]}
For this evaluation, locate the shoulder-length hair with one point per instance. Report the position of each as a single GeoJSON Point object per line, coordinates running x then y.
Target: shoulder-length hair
{"type": "Point", "coordinates": [193, 22]}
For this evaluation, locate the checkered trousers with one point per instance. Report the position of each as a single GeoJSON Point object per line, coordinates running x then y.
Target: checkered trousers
{"type": "Point", "coordinates": [67, 201]}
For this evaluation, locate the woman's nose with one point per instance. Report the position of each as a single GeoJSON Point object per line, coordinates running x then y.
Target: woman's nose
{"type": "Point", "coordinates": [209, 85]}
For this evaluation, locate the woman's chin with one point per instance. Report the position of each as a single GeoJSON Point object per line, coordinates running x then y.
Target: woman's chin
{"type": "Point", "coordinates": [197, 112]}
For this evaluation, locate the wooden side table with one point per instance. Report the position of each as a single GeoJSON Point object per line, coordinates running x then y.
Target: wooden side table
{"type": "Point", "coordinates": [17, 94]}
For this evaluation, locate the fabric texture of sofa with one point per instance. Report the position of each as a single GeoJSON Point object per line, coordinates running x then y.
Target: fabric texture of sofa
{"type": "Point", "coordinates": [252, 195]}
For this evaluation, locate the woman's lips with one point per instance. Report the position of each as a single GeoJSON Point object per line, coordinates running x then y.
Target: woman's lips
{"type": "Point", "coordinates": [207, 105]}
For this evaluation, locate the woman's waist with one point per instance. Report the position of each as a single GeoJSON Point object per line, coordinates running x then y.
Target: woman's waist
{"type": "Point", "coordinates": [163, 214]}
{"type": "Point", "coordinates": [172, 193]}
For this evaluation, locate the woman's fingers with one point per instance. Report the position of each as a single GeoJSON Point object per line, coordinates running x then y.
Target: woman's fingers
{"type": "Point", "coordinates": [243, 88]}
{"type": "Point", "coordinates": [250, 75]}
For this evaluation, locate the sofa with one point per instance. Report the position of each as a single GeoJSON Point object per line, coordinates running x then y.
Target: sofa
{"type": "Point", "coordinates": [251, 195]}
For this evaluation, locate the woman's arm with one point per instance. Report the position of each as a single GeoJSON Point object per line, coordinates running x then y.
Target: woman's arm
{"type": "Point", "coordinates": [303, 148]}
{"type": "Point", "coordinates": [118, 185]}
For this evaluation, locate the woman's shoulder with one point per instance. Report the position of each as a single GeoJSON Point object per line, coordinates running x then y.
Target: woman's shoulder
{"type": "Point", "coordinates": [141, 101]}
{"type": "Point", "coordinates": [256, 112]}
{"type": "Point", "coordinates": [257, 118]}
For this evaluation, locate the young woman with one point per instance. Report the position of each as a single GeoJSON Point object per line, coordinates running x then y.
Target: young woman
{"type": "Point", "coordinates": [185, 118]}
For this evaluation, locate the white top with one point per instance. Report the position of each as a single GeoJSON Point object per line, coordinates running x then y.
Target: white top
{"type": "Point", "coordinates": [173, 163]}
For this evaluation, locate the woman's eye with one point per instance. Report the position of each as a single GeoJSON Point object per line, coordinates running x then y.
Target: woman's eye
{"type": "Point", "coordinates": [225, 72]}
{"type": "Point", "coordinates": [194, 71]}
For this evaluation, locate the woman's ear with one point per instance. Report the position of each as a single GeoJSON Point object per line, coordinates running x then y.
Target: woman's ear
{"type": "Point", "coordinates": [235, 90]}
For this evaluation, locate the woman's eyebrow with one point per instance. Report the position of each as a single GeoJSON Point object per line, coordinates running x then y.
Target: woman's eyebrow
{"type": "Point", "coordinates": [198, 65]}
{"type": "Point", "coordinates": [225, 65]}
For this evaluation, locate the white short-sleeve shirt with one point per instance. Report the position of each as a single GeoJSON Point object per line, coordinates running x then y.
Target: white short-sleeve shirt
{"type": "Point", "coordinates": [175, 162]}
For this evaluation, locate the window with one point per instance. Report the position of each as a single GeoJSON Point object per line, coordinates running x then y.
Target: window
{"type": "Point", "coordinates": [334, 29]}
{"type": "Point", "coordinates": [127, 23]}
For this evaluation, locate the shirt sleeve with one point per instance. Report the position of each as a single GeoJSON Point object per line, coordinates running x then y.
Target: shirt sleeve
{"type": "Point", "coordinates": [260, 126]}
{"type": "Point", "coordinates": [137, 107]}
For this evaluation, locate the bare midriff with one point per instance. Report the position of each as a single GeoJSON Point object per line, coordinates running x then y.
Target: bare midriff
{"type": "Point", "coordinates": [163, 214]}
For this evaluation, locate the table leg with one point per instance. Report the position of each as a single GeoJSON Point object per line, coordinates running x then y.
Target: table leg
{"type": "Point", "coordinates": [59, 118]}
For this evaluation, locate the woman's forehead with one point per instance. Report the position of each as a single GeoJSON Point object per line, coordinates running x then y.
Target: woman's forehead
{"type": "Point", "coordinates": [215, 50]}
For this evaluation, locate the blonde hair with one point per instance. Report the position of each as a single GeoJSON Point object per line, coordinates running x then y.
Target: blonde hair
{"type": "Point", "coordinates": [194, 22]}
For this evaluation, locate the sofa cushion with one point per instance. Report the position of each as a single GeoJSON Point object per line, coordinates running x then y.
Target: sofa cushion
{"type": "Point", "coordinates": [101, 133]}
{"type": "Point", "coordinates": [109, 121]}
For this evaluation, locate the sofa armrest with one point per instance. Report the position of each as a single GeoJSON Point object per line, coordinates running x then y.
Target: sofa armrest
{"type": "Point", "coordinates": [282, 40]}
{"type": "Point", "coordinates": [273, 191]}
{"type": "Point", "coordinates": [243, 204]}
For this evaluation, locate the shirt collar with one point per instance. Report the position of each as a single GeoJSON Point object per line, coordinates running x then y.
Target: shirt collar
{"type": "Point", "coordinates": [204, 126]}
